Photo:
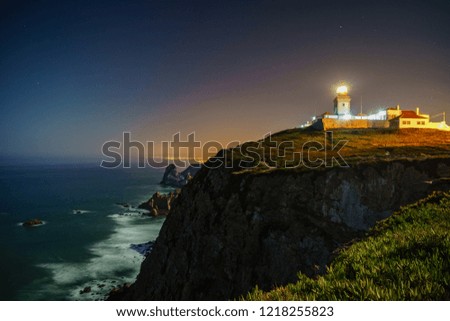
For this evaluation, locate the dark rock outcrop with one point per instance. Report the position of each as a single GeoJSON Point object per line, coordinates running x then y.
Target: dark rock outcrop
{"type": "Point", "coordinates": [144, 248]}
{"type": "Point", "coordinates": [190, 172]}
{"type": "Point", "coordinates": [117, 292]}
{"type": "Point", "coordinates": [229, 232]}
{"type": "Point", "coordinates": [33, 222]}
{"type": "Point", "coordinates": [170, 175]}
{"type": "Point", "coordinates": [173, 178]}
{"type": "Point", "coordinates": [87, 289]}
{"type": "Point", "coordinates": [160, 204]}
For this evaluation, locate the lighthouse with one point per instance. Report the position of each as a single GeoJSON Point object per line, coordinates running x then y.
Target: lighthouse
{"type": "Point", "coordinates": [342, 101]}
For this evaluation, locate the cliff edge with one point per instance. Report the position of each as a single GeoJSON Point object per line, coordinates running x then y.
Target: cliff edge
{"type": "Point", "coordinates": [231, 230]}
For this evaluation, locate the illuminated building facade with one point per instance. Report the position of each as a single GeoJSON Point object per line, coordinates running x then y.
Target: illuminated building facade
{"type": "Point", "coordinates": [392, 117]}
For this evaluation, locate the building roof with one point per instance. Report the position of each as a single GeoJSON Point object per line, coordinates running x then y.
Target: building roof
{"type": "Point", "coordinates": [410, 114]}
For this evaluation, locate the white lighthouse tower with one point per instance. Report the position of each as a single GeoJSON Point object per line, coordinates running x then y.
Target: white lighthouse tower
{"type": "Point", "coordinates": [342, 101]}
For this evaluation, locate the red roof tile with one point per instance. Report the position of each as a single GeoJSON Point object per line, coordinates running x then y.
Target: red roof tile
{"type": "Point", "coordinates": [410, 114]}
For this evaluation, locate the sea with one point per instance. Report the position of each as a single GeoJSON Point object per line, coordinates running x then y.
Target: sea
{"type": "Point", "coordinates": [85, 248]}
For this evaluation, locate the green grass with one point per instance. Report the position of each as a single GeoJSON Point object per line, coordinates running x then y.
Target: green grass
{"type": "Point", "coordinates": [405, 257]}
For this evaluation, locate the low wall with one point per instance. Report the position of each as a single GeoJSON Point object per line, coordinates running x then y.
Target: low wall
{"type": "Point", "coordinates": [327, 123]}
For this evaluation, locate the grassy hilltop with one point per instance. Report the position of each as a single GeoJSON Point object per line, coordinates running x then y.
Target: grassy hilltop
{"type": "Point", "coordinates": [405, 257]}
{"type": "Point", "coordinates": [361, 145]}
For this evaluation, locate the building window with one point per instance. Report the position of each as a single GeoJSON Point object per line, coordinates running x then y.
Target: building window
{"type": "Point", "coordinates": [419, 123]}
{"type": "Point", "coordinates": [343, 105]}
{"type": "Point", "coordinates": [404, 122]}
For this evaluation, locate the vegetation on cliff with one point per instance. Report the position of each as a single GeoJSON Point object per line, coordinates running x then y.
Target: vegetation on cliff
{"type": "Point", "coordinates": [233, 228]}
{"type": "Point", "coordinates": [315, 149]}
{"type": "Point", "coordinates": [405, 257]}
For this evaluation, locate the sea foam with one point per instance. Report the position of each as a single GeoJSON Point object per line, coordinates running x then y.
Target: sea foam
{"type": "Point", "coordinates": [77, 211]}
{"type": "Point", "coordinates": [113, 261]}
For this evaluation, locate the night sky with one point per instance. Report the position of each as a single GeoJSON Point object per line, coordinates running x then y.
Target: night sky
{"type": "Point", "coordinates": [74, 74]}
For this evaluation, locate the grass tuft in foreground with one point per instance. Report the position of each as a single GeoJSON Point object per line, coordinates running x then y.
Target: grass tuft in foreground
{"type": "Point", "coordinates": [405, 257]}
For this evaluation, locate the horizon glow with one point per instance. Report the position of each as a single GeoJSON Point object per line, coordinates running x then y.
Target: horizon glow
{"type": "Point", "coordinates": [77, 74]}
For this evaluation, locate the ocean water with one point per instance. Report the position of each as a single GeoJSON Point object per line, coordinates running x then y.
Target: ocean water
{"type": "Point", "coordinates": [86, 238]}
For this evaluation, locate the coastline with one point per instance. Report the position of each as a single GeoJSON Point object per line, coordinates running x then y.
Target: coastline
{"type": "Point", "coordinates": [232, 229]}
{"type": "Point", "coordinates": [86, 238]}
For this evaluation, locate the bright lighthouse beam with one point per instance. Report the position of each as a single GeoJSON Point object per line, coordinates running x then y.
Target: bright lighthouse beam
{"type": "Point", "coordinates": [342, 90]}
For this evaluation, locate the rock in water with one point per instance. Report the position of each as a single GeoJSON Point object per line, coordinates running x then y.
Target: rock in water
{"type": "Point", "coordinates": [87, 289]}
{"type": "Point", "coordinates": [144, 248]}
{"type": "Point", "coordinates": [159, 204]}
{"type": "Point", "coordinates": [172, 178]}
{"type": "Point", "coordinates": [33, 222]}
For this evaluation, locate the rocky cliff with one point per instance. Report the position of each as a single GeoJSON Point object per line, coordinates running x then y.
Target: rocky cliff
{"type": "Point", "coordinates": [229, 232]}
{"type": "Point", "coordinates": [159, 204]}
{"type": "Point", "coordinates": [173, 178]}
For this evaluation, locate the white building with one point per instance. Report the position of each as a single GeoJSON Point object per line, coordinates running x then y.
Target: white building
{"type": "Point", "coordinates": [407, 118]}
{"type": "Point", "coordinates": [342, 101]}
{"type": "Point", "coordinates": [392, 117]}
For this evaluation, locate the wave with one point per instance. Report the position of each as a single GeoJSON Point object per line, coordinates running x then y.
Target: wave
{"type": "Point", "coordinates": [77, 211]}
{"type": "Point", "coordinates": [113, 261]}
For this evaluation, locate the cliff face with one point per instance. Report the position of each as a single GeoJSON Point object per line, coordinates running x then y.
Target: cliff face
{"type": "Point", "coordinates": [229, 232]}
